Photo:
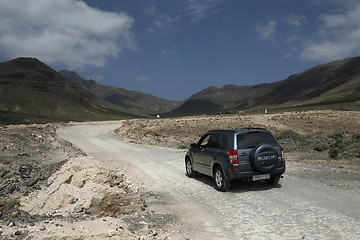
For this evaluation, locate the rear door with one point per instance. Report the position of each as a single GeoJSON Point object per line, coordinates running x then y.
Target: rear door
{"type": "Point", "coordinates": [247, 141]}
{"type": "Point", "coordinates": [209, 148]}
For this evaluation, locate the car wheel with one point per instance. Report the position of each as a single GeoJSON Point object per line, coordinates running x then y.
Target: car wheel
{"type": "Point", "coordinates": [221, 184]}
{"type": "Point", "coordinates": [189, 169]}
{"type": "Point", "coordinates": [273, 180]}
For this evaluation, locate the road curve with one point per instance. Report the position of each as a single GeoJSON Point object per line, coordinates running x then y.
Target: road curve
{"type": "Point", "coordinates": [295, 209]}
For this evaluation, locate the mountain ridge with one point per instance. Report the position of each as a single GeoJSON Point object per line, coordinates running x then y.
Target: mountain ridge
{"type": "Point", "coordinates": [133, 100]}
{"type": "Point", "coordinates": [329, 83]}
{"type": "Point", "coordinates": [30, 91]}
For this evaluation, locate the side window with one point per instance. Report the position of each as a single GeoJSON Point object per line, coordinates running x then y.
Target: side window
{"type": "Point", "coordinates": [224, 142]}
{"type": "Point", "coordinates": [204, 141]}
{"type": "Point", "coordinates": [214, 141]}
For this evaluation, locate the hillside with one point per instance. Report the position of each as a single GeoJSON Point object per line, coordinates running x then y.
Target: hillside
{"type": "Point", "coordinates": [132, 100]}
{"type": "Point", "coordinates": [324, 85]}
{"type": "Point", "coordinates": [30, 91]}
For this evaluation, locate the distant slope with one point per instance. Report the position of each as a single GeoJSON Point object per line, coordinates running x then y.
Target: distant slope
{"type": "Point", "coordinates": [132, 100]}
{"type": "Point", "coordinates": [332, 83]}
{"type": "Point", "coordinates": [30, 91]}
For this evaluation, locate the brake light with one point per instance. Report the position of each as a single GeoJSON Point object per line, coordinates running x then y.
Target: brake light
{"type": "Point", "coordinates": [233, 158]}
{"type": "Point", "coordinates": [282, 152]}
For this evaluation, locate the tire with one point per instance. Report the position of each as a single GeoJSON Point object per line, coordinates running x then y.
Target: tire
{"type": "Point", "coordinates": [189, 169]}
{"type": "Point", "coordinates": [264, 158]}
{"type": "Point", "coordinates": [273, 180]}
{"type": "Point", "coordinates": [221, 184]}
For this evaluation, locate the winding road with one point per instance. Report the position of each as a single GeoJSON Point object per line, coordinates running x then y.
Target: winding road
{"type": "Point", "coordinates": [295, 209]}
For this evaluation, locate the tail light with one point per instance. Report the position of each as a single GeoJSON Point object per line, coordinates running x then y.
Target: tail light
{"type": "Point", "coordinates": [233, 158]}
{"type": "Point", "coordinates": [282, 153]}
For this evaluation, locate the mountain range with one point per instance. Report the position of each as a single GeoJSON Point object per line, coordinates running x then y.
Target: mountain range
{"type": "Point", "coordinates": [30, 91]}
{"type": "Point", "coordinates": [323, 86]}
{"type": "Point", "coordinates": [132, 100]}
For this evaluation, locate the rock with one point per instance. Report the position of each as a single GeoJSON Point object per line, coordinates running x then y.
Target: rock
{"type": "Point", "coordinates": [18, 233]}
{"type": "Point", "coordinates": [25, 171]}
{"type": "Point", "coordinates": [40, 138]}
{"type": "Point", "coordinates": [31, 182]}
{"type": "Point", "coordinates": [73, 201]}
{"type": "Point", "coordinates": [78, 209]}
{"type": "Point", "coordinates": [12, 188]}
{"type": "Point", "coordinates": [3, 174]}
{"type": "Point", "coordinates": [24, 155]}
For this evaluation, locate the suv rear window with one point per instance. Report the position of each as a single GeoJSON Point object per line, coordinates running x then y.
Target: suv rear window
{"type": "Point", "coordinates": [251, 139]}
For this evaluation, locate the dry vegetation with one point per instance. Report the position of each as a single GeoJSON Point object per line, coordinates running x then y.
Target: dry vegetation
{"type": "Point", "coordinates": [49, 189]}
{"type": "Point", "coordinates": [312, 133]}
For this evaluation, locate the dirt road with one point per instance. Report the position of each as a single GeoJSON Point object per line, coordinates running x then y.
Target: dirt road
{"type": "Point", "coordinates": [298, 208]}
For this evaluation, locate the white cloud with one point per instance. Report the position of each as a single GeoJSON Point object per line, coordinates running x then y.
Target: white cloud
{"type": "Point", "coordinates": [267, 30]}
{"type": "Point", "coordinates": [159, 21]}
{"type": "Point", "coordinates": [150, 10]}
{"type": "Point", "coordinates": [197, 10]}
{"type": "Point", "coordinates": [97, 77]}
{"type": "Point", "coordinates": [67, 32]}
{"type": "Point", "coordinates": [171, 52]}
{"type": "Point", "coordinates": [296, 20]}
{"type": "Point", "coordinates": [138, 76]}
{"type": "Point", "coordinates": [181, 14]}
{"type": "Point", "coordinates": [158, 24]}
{"type": "Point", "coordinates": [338, 36]}
{"type": "Point", "coordinates": [141, 78]}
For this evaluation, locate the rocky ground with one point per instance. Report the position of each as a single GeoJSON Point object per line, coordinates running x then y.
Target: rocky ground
{"type": "Point", "coordinates": [50, 189]}
{"type": "Point", "coordinates": [180, 132]}
{"type": "Point", "coordinates": [307, 138]}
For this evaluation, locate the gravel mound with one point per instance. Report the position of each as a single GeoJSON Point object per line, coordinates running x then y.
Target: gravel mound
{"type": "Point", "coordinates": [50, 189]}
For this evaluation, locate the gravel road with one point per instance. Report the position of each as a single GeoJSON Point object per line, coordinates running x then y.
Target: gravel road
{"type": "Point", "coordinates": [297, 208]}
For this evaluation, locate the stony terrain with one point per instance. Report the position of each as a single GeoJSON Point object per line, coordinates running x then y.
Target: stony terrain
{"type": "Point", "coordinates": [50, 189]}
{"type": "Point", "coordinates": [299, 126]}
{"type": "Point", "coordinates": [305, 136]}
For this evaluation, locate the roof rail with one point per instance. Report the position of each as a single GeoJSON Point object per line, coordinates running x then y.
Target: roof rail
{"type": "Point", "coordinates": [254, 128]}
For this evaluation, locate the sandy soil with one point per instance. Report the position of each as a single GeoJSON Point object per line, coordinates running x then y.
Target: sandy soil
{"type": "Point", "coordinates": [314, 127]}
{"type": "Point", "coordinates": [51, 189]}
{"type": "Point", "coordinates": [178, 131]}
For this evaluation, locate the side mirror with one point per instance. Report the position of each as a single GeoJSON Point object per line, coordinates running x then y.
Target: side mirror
{"type": "Point", "coordinates": [193, 145]}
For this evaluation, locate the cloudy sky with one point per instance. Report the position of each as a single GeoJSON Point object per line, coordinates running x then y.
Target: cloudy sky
{"type": "Point", "coordinates": [175, 48]}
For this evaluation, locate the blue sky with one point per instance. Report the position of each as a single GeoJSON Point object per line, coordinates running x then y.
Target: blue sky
{"type": "Point", "coordinates": [175, 48]}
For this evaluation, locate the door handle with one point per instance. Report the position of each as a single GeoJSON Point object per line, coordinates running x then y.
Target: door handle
{"type": "Point", "coordinates": [242, 154]}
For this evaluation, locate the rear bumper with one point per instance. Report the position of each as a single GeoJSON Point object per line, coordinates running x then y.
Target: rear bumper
{"type": "Point", "coordinates": [236, 174]}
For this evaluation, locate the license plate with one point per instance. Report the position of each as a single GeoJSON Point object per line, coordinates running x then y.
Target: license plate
{"type": "Point", "coordinates": [261, 177]}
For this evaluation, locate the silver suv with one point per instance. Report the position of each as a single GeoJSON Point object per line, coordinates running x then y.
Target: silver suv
{"type": "Point", "coordinates": [225, 155]}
